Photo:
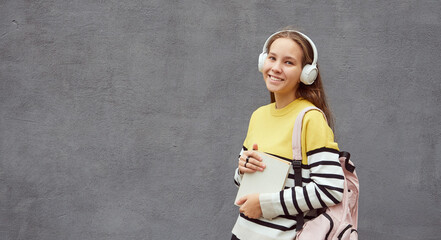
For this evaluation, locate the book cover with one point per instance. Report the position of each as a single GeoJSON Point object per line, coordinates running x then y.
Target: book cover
{"type": "Point", "coordinates": [272, 179]}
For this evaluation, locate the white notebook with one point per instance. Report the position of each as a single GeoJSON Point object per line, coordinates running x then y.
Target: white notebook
{"type": "Point", "coordinates": [271, 180]}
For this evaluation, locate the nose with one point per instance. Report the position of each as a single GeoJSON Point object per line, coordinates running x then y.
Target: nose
{"type": "Point", "coordinates": [276, 67]}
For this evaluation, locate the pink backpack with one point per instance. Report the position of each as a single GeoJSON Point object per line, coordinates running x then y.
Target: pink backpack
{"type": "Point", "coordinates": [338, 221]}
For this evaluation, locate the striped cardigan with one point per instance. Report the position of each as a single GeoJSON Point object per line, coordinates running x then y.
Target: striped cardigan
{"type": "Point", "coordinates": [322, 176]}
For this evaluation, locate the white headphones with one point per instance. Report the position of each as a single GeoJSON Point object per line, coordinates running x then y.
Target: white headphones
{"type": "Point", "coordinates": [309, 72]}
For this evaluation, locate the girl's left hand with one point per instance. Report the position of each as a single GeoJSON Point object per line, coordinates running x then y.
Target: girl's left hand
{"type": "Point", "coordinates": [250, 206]}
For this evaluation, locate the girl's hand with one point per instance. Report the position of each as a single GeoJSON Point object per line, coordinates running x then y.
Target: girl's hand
{"type": "Point", "coordinates": [250, 206]}
{"type": "Point", "coordinates": [250, 161]}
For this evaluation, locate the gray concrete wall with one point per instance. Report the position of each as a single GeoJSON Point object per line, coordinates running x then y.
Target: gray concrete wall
{"type": "Point", "coordinates": [124, 119]}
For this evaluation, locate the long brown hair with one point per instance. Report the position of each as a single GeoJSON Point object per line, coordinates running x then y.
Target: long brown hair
{"type": "Point", "coordinates": [315, 92]}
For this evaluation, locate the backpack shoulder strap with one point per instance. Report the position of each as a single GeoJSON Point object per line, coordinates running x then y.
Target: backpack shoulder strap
{"type": "Point", "coordinates": [297, 132]}
{"type": "Point", "coordinates": [297, 155]}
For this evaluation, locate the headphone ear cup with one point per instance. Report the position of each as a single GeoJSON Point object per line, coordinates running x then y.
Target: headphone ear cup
{"type": "Point", "coordinates": [309, 74]}
{"type": "Point", "coordinates": [262, 58]}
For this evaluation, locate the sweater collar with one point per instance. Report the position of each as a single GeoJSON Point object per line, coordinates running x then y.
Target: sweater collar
{"type": "Point", "coordinates": [287, 109]}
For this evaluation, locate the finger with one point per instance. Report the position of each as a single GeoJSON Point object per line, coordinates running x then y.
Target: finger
{"type": "Point", "coordinates": [250, 154]}
{"type": "Point", "coordinates": [258, 163]}
{"type": "Point", "coordinates": [247, 169]}
{"type": "Point", "coordinates": [252, 163]}
{"type": "Point", "coordinates": [245, 162]}
{"type": "Point", "coordinates": [251, 160]}
{"type": "Point", "coordinates": [255, 147]}
{"type": "Point", "coordinates": [241, 201]}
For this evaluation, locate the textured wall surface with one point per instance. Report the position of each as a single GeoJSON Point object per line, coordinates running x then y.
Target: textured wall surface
{"type": "Point", "coordinates": [124, 119]}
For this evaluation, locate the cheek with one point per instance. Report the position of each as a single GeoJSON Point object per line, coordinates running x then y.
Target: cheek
{"type": "Point", "coordinates": [295, 74]}
{"type": "Point", "coordinates": [266, 66]}
{"type": "Point", "coordinates": [264, 77]}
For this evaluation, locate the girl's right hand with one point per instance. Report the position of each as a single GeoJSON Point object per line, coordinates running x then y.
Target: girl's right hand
{"type": "Point", "coordinates": [250, 161]}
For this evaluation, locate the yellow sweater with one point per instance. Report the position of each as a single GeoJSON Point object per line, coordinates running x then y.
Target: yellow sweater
{"type": "Point", "coordinates": [272, 128]}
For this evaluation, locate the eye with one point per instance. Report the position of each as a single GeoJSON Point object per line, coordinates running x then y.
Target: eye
{"type": "Point", "coordinates": [271, 58]}
{"type": "Point", "coordinates": [289, 63]}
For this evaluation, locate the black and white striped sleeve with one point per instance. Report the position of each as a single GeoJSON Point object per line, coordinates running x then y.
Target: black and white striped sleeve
{"type": "Point", "coordinates": [323, 187]}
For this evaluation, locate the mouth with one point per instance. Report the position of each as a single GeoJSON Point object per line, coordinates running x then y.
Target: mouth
{"type": "Point", "coordinates": [275, 78]}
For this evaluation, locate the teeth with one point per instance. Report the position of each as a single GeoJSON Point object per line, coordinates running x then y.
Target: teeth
{"type": "Point", "coordinates": [275, 79]}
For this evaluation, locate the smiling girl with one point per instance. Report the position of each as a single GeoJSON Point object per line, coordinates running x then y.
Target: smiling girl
{"type": "Point", "coordinates": [288, 66]}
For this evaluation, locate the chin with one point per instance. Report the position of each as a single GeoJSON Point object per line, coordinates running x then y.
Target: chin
{"type": "Point", "coordinates": [272, 88]}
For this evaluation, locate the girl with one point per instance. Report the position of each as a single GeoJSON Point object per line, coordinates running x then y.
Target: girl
{"type": "Point", "coordinates": [288, 66]}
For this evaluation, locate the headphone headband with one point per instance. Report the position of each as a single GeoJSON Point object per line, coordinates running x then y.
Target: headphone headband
{"type": "Point", "coordinates": [310, 71]}
{"type": "Point", "coordinates": [314, 49]}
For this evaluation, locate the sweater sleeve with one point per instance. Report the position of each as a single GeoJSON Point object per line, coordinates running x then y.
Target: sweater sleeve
{"type": "Point", "coordinates": [237, 175]}
{"type": "Point", "coordinates": [321, 172]}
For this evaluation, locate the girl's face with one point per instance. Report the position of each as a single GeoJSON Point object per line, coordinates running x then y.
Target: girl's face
{"type": "Point", "coordinates": [282, 68]}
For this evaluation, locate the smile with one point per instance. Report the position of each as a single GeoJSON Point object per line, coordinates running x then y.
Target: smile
{"type": "Point", "coordinates": [275, 78]}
